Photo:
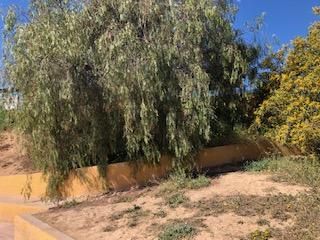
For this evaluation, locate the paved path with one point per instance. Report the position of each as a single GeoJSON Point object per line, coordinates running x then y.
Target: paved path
{"type": "Point", "coordinates": [6, 231]}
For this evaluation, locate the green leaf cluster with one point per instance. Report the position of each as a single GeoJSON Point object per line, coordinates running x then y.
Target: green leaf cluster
{"type": "Point", "coordinates": [291, 114]}
{"type": "Point", "coordinates": [104, 79]}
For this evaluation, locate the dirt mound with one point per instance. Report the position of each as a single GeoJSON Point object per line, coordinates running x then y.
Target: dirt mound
{"type": "Point", "coordinates": [13, 160]}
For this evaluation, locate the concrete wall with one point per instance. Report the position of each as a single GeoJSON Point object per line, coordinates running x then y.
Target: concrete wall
{"type": "Point", "coordinates": [121, 176]}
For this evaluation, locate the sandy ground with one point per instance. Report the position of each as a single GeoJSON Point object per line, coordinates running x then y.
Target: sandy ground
{"type": "Point", "coordinates": [12, 159]}
{"type": "Point", "coordinates": [143, 214]}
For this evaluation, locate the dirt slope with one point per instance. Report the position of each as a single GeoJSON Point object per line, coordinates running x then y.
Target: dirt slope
{"type": "Point", "coordinates": [12, 159]}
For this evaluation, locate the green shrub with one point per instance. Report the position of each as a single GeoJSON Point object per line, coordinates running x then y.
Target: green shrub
{"type": "Point", "coordinates": [199, 182]}
{"type": "Point", "coordinates": [258, 166]}
{"type": "Point", "coordinates": [260, 235]}
{"type": "Point", "coordinates": [182, 180]}
{"type": "Point", "coordinates": [176, 199]}
{"type": "Point", "coordinates": [177, 231]}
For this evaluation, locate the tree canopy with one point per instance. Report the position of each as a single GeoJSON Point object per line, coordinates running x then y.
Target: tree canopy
{"type": "Point", "coordinates": [291, 114]}
{"type": "Point", "coordinates": [105, 79]}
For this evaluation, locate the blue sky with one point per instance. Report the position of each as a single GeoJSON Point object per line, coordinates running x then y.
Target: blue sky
{"type": "Point", "coordinates": [284, 19]}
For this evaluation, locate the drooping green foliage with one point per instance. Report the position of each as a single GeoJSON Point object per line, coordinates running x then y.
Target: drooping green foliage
{"type": "Point", "coordinates": [106, 78]}
{"type": "Point", "coordinates": [2, 119]}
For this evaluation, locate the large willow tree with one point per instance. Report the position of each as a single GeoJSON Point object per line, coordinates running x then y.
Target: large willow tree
{"type": "Point", "coordinates": [108, 78]}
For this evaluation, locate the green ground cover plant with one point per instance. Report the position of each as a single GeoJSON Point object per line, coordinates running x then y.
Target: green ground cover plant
{"type": "Point", "coordinates": [180, 180]}
{"type": "Point", "coordinates": [177, 231]}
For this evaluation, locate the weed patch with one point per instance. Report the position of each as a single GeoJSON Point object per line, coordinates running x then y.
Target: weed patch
{"type": "Point", "coordinates": [260, 235]}
{"type": "Point", "coordinates": [181, 180]}
{"type": "Point", "coordinates": [199, 182]}
{"type": "Point", "coordinates": [244, 205]}
{"type": "Point", "coordinates": [161, 213]}
{"type": "Point", "coordinates": [303, 170]}
{"type": "Point", "coordinates": [304, 207]}
{"type": "Point", "coordinates": [177, 231]}
{"type": "Point", "coordinates": [175, 200]}
{"type": "Point", "coordinates": [122, 199]}
{"type": "Point", "coordinates": [134, 214]}
{"type": "Point", "coordinates": [133, 210]}
{"type": "Point", "coordinates": [69, 204]}
{"type": "Point", "coordinates": [263, 222]}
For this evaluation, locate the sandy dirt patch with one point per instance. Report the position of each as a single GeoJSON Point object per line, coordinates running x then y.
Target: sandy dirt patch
{"type": "Point", "coordinates": [243, 183]}
{"type": "Point", "coordinates": [221, 211]}
{"type": "Point", "coordinates": [231, 226]}
{"type": "Point", "coordinates": [12, 159]}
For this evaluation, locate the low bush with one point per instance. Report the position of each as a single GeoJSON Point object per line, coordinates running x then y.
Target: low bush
{"type": "Point", "coordinates": [260, 235]}
{"type": "Point", "coordinates": [177, 231]}
{"type": "Point", "coordinates": [176, 199]}
{"type": "Point", "coordinates": [181, 180]}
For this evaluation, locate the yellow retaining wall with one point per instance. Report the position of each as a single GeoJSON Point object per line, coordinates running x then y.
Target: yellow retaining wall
{"type": "Point", "coordinates": [29, 228]}
{"type": "Point", "coordinates": [11, 186]}
{"type": "Point", "coordinates": [121, 176]}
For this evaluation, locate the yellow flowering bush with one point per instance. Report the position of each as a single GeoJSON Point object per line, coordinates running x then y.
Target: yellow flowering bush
{"type": "Point", "coordinates": [291, 115]}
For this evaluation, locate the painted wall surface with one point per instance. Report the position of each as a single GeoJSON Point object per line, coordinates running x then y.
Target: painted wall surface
{"type": "Point", "coordinates": [122, 176]}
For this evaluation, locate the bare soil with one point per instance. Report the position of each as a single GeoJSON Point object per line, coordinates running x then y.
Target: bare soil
{"type": "Point", "coordinates": [237, 205]}
{"type": "Point", "coordinates": [13, 159]}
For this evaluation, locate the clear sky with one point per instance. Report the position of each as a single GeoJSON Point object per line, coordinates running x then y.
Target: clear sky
{"type": "Point", "coordinates": [285, 19]}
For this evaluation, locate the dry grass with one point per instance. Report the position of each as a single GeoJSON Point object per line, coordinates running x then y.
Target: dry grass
{"type": "Point", "coordinates": [167, 211]}
{"type": "Point", "coordinates": [301, 169]}
{"type": "Point", "coordinates": [305, 208]}
{"type": "Point", "coordinates": [176, 199]}
{"type": "Point", "coordinates": [180, 181]}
